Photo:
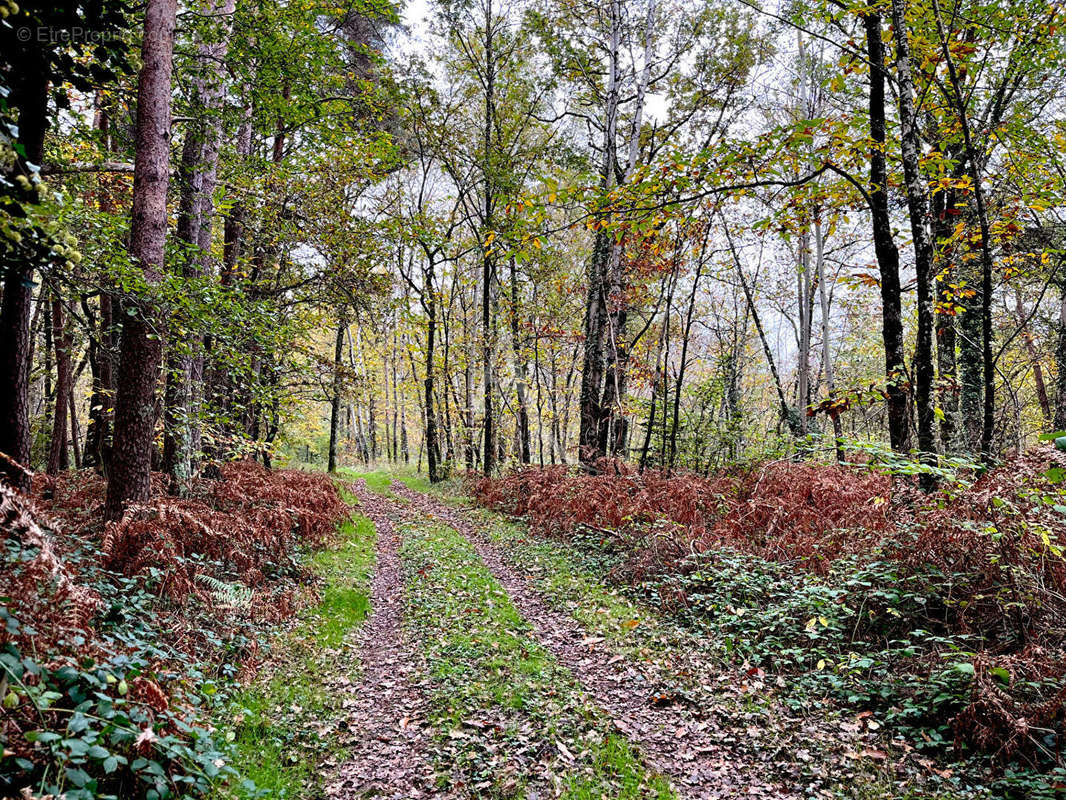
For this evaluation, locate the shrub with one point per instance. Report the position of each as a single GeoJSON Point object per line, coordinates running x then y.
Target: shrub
{"type": "Point", "coordinates": [115, 637]}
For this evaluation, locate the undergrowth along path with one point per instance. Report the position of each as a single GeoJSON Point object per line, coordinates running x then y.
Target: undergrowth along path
{"type": "Point", "coordinates": [671, 738]}
{"type": "Point", "coordinates": [388, 712]}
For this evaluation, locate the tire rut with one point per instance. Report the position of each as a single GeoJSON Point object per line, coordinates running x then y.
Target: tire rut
{"type": "Point", "coordinates": [672, 740]}
{"type": "Point", "coordinates": [388, 710]}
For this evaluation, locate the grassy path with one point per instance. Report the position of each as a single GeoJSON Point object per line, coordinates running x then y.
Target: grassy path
{"type": "Point", "coordinates": [453, 656]}
{"type": "Point", "coordinates": [511, 720]}
{"type": "Point", "coordinates": [671, 734]}
{"type": "Point", "coordinates": [387, 708]}
{"type": "Point", "coordinates": [287, 725]}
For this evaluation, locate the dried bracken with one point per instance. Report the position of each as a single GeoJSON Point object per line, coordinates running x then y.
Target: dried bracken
{"type": "Point", "coordinates": [34, 575]}
{"type": "Point", "coordinates": [782, 511]}
{"type": "Point", "coordinates": [154, 588]}
{"type": "Point", "coordinates": [998, 545]}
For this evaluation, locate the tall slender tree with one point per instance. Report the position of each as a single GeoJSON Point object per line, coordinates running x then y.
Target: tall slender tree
{"type": "Point", "coordinates": [140, 355]}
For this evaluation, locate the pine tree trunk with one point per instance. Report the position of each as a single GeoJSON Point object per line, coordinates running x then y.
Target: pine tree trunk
{"type": "Point", "coordinates": [130, 477]}
{"type": "Point", "coordinates": [30, 96]}
{"type": "Point", "coordinates": [199, 166]}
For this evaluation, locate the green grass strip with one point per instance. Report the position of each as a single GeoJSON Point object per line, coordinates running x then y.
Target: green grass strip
{"type": "Point", "coordinates": [376, 481]}
{"type": "Point", "coordinates": [502, 703]}
{"type": "Point", "coordinates": [283, 725]}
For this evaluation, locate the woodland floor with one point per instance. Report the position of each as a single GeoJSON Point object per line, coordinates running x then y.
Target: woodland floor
{"type": "Point", "coordinates": [492, 664]}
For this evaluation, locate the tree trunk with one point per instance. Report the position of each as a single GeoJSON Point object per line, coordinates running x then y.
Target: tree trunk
{"type": "Point", "coordinates": [432, 442]}
{"type": "Point", "coordinates": [30, 97]}
{"type": "Point", "coordinates": [683, 364]}
{"type": "Point", "coordinates": [918, 207]}
{"type": "Point", "coordinates": [946, 333]}
{"type": "Point", "coordinates": [521, 374]}
{"type": "Point", "coordinates": [884, 244]}
{"type": "Point", "coordinates": [199, 166]}
{"type": "Point", "coordinates": [604, 251]}
{"type": "Point", "coordinates": [827, 343]}
{"type": "Point", "coordinates": [101, 363]}
{"type": "Point", "coordinates": [804, 292]}
{"type": "Point", "coordinates": [1060, 361]}
{"type": "Point", "coordinates": [1034, 357]}
{"type": "Point", "coordinates": [62, 341]}
{"type": "Point", "coordinates": [130, 477]}
{"type": "Point", "coordinates": [335, 405]}
{"type": "Point", "coordinates": [974, 159]}
{"type": "Point", "coordinates": [788, 415]}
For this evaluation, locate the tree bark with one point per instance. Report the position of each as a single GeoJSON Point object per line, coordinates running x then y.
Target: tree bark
{"type": "Point", "coordinates": [30, 97]}
{"type": "Point", "coordinates": [884, 244]}
{"type": "Point", "coordinates": [432, 439]}
{"type": "Point", "coordinates": [827, 344]}
{"type": "Point", "coordinates": [335, 405]}
{"type": "Point", "coordinates": [1034, 357]}
{"type": "Point", "coordinates": [62, 341]}
{"type": "Point", "coordinates": [130, 477]}
{"type": "Point", "coordinates": [199, 166]}
{"type": "Point", "coordinates": [683, 363]}
{"type": "Point", "coordinates": [946, 332]}
{"type": "Point", "coordinates": [974, 159]}
{"type": "Point", "coordinates": [521, 373]}
{"type": "Point", "coordinates": [918, 207]}
{"type": "Point", "coordinates": [1060, 361]}
{"type": "Point", "coordinates": [604, 252]}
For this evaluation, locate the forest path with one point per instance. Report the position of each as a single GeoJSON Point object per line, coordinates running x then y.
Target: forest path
{"type": "Point", "coordinates": [676, 740]}
{"type": "Point", "coordinates": [388, 713]}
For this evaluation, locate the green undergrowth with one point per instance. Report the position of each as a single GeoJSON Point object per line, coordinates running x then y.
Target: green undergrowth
{"type": "Point", "coordinates": [287, 722]}
{"type": "Point", "coordinates": [376, 481]}
{"type": "Point", "coordinates": [725, 649]}
{"type": "Point", "coordinates": [502, 704]}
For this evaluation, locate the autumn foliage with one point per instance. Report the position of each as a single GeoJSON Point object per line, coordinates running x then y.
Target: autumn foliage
{"type": "Point", "coordinates": [785, 511]}
{"type": "Point", "coordinates": [244, 529]}
{"type": "Point", "coordinates": [988, 554]}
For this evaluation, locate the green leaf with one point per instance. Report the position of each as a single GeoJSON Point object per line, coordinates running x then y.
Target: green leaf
{"type": "Point", "coordinates": [1050, 437]}
{"type": "Point", "coordinates": [78, 776]}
